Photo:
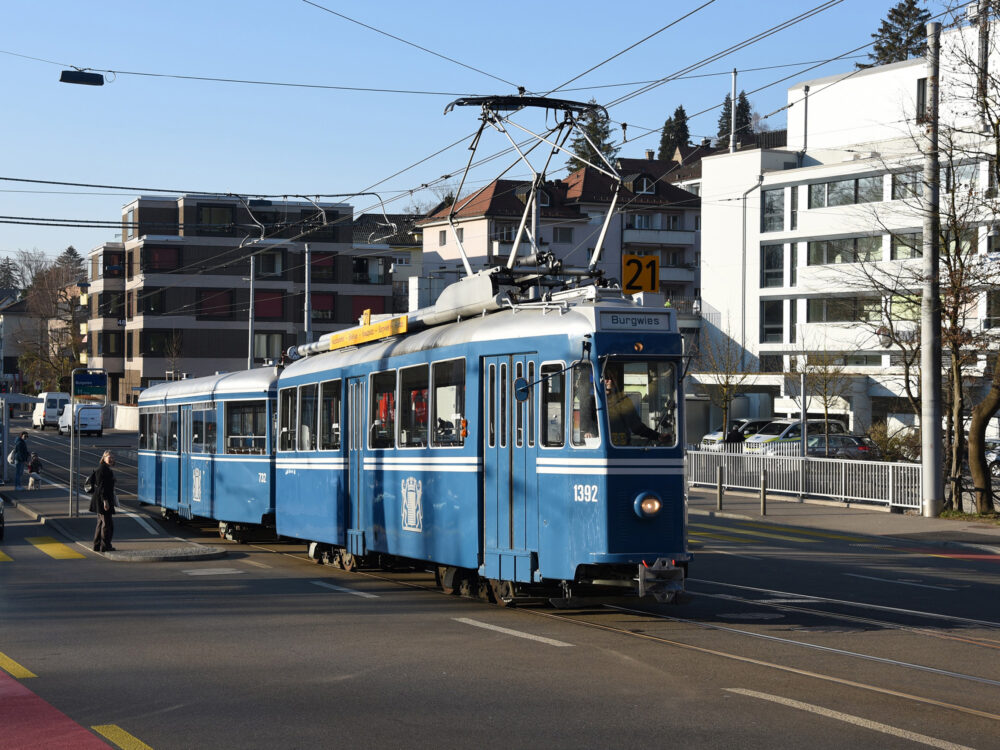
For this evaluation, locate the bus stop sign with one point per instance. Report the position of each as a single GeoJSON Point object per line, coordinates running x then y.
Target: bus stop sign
{"type": "Point", "coordinates": [90, 386]}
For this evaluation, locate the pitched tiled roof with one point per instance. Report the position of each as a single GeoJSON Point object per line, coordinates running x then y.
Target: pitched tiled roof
{"type": "Point", "coordinates": [503, 199]}
{"type": "Point", "coordinates": [590, 186]}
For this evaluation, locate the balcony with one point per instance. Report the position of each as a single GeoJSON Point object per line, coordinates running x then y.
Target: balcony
{"type": "Point", "coordinates": [658, 237]}
{"type": "Point", "coordinates": [683, 273]}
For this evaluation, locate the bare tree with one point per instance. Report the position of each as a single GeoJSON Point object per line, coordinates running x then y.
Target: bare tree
{"type": "Point", "coordinates": [720, 370]}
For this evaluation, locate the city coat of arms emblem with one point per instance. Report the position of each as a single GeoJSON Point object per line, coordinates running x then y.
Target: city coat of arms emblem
{"type": "Point", "coordinates": [413, 514]}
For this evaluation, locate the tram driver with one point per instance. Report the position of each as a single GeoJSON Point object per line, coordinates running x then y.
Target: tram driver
{"type": "Point", "coordinates": [622, 415]}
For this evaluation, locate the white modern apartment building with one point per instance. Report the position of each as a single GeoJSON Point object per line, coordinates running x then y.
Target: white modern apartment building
{"type": "Point", "coordinates": [790, 236]}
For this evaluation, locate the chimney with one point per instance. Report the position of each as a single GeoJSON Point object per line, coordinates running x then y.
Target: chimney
{"type": "Point", "coordinates": [649, 154]}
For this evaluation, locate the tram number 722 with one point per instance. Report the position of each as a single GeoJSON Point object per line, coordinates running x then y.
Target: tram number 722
{"type": "Point", "coordinates": [585, 493]}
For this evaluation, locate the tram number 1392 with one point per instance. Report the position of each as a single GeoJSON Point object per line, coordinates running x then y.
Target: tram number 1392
{"type": "Point", "coordinates": [585, 493]}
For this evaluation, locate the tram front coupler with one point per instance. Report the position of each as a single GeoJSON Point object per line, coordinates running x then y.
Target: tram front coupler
{"type": "Point", "coordinates": [662, 580]}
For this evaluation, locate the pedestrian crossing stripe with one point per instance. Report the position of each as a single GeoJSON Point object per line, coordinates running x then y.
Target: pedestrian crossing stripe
{"type": "Point", "coordinates": [5, 558]}
{"type": "Point", "coordinates": [14, 669]}
{"type": "Point", "coordinates": [55, 550]}
{"type": "Point", "coordinates": [729, 530]}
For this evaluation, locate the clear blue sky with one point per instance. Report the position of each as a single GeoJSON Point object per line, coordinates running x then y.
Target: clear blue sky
{"type": "Point", "coordinates": [161, 133]}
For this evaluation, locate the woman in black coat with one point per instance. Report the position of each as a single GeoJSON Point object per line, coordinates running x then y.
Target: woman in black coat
{"type": "Point", "coordinates": [102, 502]}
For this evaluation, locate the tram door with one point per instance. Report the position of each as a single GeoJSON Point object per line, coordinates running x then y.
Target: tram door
{"type": "Point", "coordinates": [355, 450]}
{"type": "Point", "coordinates": [510, 513]}
{"type": "Point", "coordinates": [185, 486]}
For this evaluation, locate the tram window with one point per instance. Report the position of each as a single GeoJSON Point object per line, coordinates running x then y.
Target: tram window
{"type": "Point", "coordinates": [197, 432]}
{"type": "Point", "coordinates": [531, 404]}
{"type": "Point", "coordinates": [143, 431]}
{"type": "Point", "coordinates": [584, 414]}
{"type": "Point", "coordinates": [246, 426]}
{"type": "Point", "coordinates": [329, 418]}
{"type": "Point", "coordinates": [307, 417]}
{"type": "Point", "coordinates": [448, 402]}
{"type": "Point", "coordinates": [211, 435]}
{"type": "Point", "coordinates": [171, 428]}
{"type": "Point", "coordinates": [553, 404]}
{"type": "Point", "coordinates": [287, 401]}
{"type": "Point", "coordinates": [157, 431]}
{"type": "Point", "coordinates": [382, 412]}
{"type": "Point", "coordinates": [641, 402]}
{"type": "Point", "coordinates": [491, 397]}
{"type": "Point", "coordinates": [413, 386]}
{"type": "Point", "coordinates": [504, 408]}
{"type": "Point", "coordinates": [518, 409]}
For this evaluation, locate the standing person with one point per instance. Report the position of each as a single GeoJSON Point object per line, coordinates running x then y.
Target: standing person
{"type": "Point", "coordinates": [102, 502]}
{"type": "Point", "coordinates": [21, 456]}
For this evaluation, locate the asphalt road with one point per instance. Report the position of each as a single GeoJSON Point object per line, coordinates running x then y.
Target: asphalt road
{"type": "Point", "coordinates": [787, 639]}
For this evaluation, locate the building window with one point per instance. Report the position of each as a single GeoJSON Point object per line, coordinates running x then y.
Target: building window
{"type": "Point", "coordinates": [697, 223]}
{"type": "Point", "coordinates": [845, 250]}
{"type": "Point", "coordinates": [267, 345]}
{"type": "Point", "coordinates": [130, 224]}
{"type": "Point", "coordinates": [110, 344]}
{"type": "Point", "coordinates": [322, 304]}
{"type": "Point", "coordinates": [992, 319]}
{"type": "Point", "coordinates": [793, 319]}
{"type": "Point", "coordinates": [401, 260]}
{"type": "Point", "coordinates": [460, 233]}
{"type": "Point", "coordinates": [640, 221]}
{"type": "Point", "coordinates": [562, 235]}
{"type": "Point", "coordinates": [906, 246]}
{"type": "Point", "coordinates": [152, 301]}
{"type": "Point", "coordinates": [771, 363]}
{"type": "Point", "coordinates": [645, 186]}
{"type": "Point", "coordinates": [160, 343]}
{"type": "Point", "coordinates": [543, 198]}
{"type": "Point", "coordinates": [215, 220]}
{"type": "Point", "coordinates": [772, 321]}
{"type": "Point", "coordinates": [671, 221]}
{"type": "Point", "coordinates": [442, 238]}
{"type": "Point", "coordinates": [270, 264]}
{"type": "Point", "coordinates": [323, 266]}
{"type": "Point", "coordinates": [772, 265]}
{"type": "Point", "coordinates": [961, 177]}
{"type": "Point", "coordinates": [793, 266]}
{"type": "Point", "coordinates": [842, 310]}
{"type": "Point", "coordinates": [269, 304]}
{"type": "Point", "coordinates": [794, 218]}
{"type": "Point", "coordinates": [845, 192]}
{"type": "Point", "coordinates": [159, 259]}
{"type": "Point", "coordinates": [215, 303]}
{"type": "Point", "coordinates": [909, 184]}
{"type": "Point", "coordinates": [504, 231]}
{"type": "Point", "coordinates": [772, 210]}
{"type": "Point", "coordinates": [921, 113]}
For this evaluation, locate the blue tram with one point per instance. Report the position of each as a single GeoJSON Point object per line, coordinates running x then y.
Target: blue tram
{"type": "Point", "coordinates": [205, 448]}
{"type": "Point", "coordinates": [529, 450]}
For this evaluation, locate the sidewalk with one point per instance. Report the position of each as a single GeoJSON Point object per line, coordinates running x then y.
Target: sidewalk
{"type": "Point", "coordinates": [138, 537]}
{"type": "Point", "coordinates": [854, 518]}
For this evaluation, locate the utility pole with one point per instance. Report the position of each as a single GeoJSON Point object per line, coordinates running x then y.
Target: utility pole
{"type": "Point", "coordinates": [307, 308]}
{"type": "Point", "coordinates": [732, 117]}
{"type": "Point", "coordinates": [982, 74]}
{"type": "Point", "coordinates": [250, 334]}
{"type": "Point", "coordinates": [930, 307]}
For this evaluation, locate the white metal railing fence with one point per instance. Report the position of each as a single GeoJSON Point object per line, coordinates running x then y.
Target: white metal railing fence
{"type": "Point", "coordinates": [897, 485]}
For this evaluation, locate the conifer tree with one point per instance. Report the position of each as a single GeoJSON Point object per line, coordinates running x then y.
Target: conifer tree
{"type": "Point", "coordinates": [744, 119]}
{"type": "Point", "coordinates": [901, 35]}
{"type": "Point", "coordinates": [73, 263]}
{"type": "Point", "coordinates": [598, 129]}
{"type": "Point", "coordinates": [675, 133]}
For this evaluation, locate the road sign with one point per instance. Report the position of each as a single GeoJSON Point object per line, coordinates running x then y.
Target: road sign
{"type": "Point", "coordinates": [640, 273]}
{"type": "Point", "coordinates": [90, 386]}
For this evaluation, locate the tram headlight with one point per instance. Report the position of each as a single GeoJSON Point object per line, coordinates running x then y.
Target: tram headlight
{"type": "Point", "coordinates": [648, 504]}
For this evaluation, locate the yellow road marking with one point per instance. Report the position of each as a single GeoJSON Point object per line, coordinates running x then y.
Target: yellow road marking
{"type": "Point", "coordinates": [5, 558]}
{"type": "Point", "coordinates": [808, 532]}
{"type": "Point", "coordinates": [729, 530]}
{"type": "Point", "coordinates": [54, 549]}
{"type": "Point", "coordinates": [14, 669]}
{"type": "Point", "coordinates": [721, 537]}
{"type": "Point", "coordinates": [120, 737]}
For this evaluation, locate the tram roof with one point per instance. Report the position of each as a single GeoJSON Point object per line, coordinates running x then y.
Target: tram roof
{"type": "Point", "coordinates": [258, 380]}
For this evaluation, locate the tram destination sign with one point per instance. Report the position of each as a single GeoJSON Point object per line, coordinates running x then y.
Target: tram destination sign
{"type": "Point", "coordinates": [634, 321]}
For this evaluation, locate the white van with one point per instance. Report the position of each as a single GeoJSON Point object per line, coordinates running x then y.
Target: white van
{"type": "Point", "coordinates": [47, 411]}
{"type": "Point", "coordinates": [88, 419]}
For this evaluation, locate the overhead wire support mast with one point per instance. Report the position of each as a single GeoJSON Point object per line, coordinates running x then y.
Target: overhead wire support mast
{"type": "Point", "coordinates": [492, 107]}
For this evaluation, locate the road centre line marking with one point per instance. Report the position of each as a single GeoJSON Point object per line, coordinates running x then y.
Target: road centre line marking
{"type": "Point", "coordinates": [14, 669]}
{"type": "Point", "coordinates": [120, 737]}
{"type": "Point", "coordinates": [901, 583]}
{"type": "Point", "coordinates": [764, 534]}
{"type": "Point", "coordinates": [515, 633]}
{"type": "Point", "coordinates": [342, 590]}
{"type": "Point", "coordinates": [52, 548]}
{"type": "Point", "coordinates": [721, 537]}
{"type": "Point", "coordinates": [809, 532]}
{"type": "Point", "coordinates": [212, 571]}
{"type": "Point", "coordinates": [875, 726]}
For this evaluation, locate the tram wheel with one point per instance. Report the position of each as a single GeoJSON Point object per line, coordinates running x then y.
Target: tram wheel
{"type": "Point", "coordinates": [503, 592]}
{"type": "Point", "coordinates": [484, 592]}
{"type": "Point", "coordinates": [348, 562]}
{"type": "Point", "coordinates": [443, 573]}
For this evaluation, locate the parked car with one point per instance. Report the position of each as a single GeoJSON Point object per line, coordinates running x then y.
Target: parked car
{"type": "Point", "coordinates": [88, 419]}
{"type": "Point", "coordinates": [790, 431]}
{"type": "Point", "coordinates": [993, 456]}
{"type": "Point", "coordinates": [746, 426]}
{"type": "Point", "coordinates": [857, 447]}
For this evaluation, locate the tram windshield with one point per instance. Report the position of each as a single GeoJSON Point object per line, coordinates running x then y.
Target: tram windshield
{"type": "Point", "coordinates": [641, 401]}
